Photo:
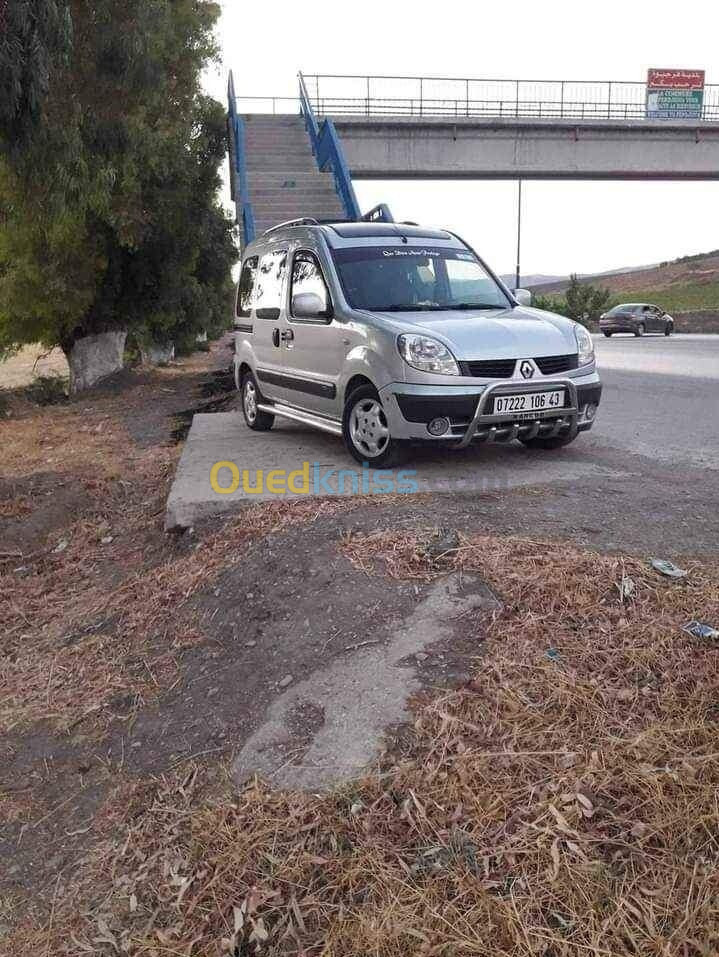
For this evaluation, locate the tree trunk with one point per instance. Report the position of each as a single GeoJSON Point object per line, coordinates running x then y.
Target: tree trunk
{"type": "Point", "coordinates": [93, 358]}
{"type": "Point", "coordinates": [158, 355]}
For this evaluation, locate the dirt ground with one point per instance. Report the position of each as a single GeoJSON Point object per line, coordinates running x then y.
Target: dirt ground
{"type": "Point", "coordinates": [134, 664]}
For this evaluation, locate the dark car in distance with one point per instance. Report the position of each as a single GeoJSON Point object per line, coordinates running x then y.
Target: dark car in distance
{"type": "Point", "coordinates": [637, 318]}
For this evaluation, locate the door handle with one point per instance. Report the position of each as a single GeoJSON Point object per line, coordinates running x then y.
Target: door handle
{"type": "Point", "coordinates": [287, 335]}
{"type": "Point", "coordinates": [276, 337]}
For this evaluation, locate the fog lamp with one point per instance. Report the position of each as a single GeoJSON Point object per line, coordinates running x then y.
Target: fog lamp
{"type": "Point", "coordinates": [438, 426]}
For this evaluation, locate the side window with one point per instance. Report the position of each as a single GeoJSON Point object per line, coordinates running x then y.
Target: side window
{"type": "Point", "coordinates": [246, 288]}
{"type": "Point", "coordinates": [270, 278]}
{"type": "Point", "coordinates": [307, 277]}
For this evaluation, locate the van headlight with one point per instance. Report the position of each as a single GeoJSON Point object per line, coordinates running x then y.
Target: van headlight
{"type": "Point", "coordinates": [585, 345]}
{"type": "Point", "coordinates": [427, 355]}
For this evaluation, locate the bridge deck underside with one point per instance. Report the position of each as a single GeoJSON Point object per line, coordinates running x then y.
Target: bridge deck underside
{"type": "Point", "coordinates": [438, 148]}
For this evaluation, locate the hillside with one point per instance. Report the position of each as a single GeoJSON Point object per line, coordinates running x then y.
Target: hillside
{"type": "Point", "coordinates": [530, 281]}
{"type": "Point", "coordinates": [687, 284]}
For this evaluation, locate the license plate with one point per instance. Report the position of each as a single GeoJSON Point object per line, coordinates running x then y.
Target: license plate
{"type": "Point", "coordinates": [528, 403]}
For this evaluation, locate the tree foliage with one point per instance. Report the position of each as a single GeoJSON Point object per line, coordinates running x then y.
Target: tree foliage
{"type": "Point", "coordinates": [34, 38]}
{"type": "Point", "coordinates": [581, 302]}
{"type": "Point", "coordinates": [109, 176]}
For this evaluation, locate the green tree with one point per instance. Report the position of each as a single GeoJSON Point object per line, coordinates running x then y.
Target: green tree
{"type": "Point", "coordinates": [585, 303]}
{"type": "Point", "coordinates": [34, 38]}
{"type": "Point", "coordinates": [581, 302]}
{"type": "Point", "coordinates": [110, 218]}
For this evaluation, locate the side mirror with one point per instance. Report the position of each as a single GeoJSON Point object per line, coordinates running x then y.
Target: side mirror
{"type": "Point", "coordinates": [523, 297]}
{"type": "Point", "coordinates": [308, 305]}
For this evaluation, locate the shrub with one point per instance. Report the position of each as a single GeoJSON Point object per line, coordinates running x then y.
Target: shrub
{"type": "Point", "coordinates": [47, 390]}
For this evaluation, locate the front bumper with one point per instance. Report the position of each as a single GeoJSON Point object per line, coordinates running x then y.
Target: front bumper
{"type": "Point", "coordinates": [618, 325]}
{"type": "Point", "coordinates": [409, 409]}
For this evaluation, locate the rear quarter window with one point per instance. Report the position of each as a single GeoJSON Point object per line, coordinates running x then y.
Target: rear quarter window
{"type": "Point", "coordinates": [246, 288]}
{"type": "Point", "coordinates": [270, 284]}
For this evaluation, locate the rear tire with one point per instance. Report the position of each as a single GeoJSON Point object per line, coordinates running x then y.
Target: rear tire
{"type": "Point", "coordinates": [365, 430]}
{"type": "Point", "coordinates": [555, 442]}
{"type": "Point", "coordinates": [607, 335]}
{"type": "Point", "coordinates": [257, 420]}
{"type": "Point", "coordinates": [641, 329]}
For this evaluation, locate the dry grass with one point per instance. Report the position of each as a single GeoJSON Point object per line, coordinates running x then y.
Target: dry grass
{"type": "Point", "coordinates": [79, 611]}
{"type": "Point", "coordinates": [563, 803]}
{"type": "Point", "coordinates": [31, 362]}
{"type": "Point", "coordinates": [71, 644]}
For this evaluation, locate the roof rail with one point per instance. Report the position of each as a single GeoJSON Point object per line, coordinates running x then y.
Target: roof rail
{"type": "Point", "coordinates": [302, 221]}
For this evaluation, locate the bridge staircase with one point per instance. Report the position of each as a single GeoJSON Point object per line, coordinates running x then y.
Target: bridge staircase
{"type": "Point", "coordinates": [285, 167]}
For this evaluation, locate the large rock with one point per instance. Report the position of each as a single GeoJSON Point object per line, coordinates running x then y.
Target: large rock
{"type": "Point", "coordinates": [94, 358]}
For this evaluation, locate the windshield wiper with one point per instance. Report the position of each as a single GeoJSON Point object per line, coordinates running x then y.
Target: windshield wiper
{"type": "Point", "coordinates": [475, 305]}
{"type": "Point", "coordinates": [404, 308]}
{"type": "Point", "coordinates": [436, 307]}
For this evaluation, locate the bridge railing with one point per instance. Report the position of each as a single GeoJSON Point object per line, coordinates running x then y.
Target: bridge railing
{"type": "Point", "coordinates": [328, 151]}
{"type": "Point", "coordinates": [267, 104]}
{"type": "Point", "coordinates": [238, 168]}
{"type": "Point", "coordinates": [467, 97]}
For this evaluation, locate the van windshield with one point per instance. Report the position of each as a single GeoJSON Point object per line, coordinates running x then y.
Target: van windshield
{"type": "Point", "coordinates": [410, 278]}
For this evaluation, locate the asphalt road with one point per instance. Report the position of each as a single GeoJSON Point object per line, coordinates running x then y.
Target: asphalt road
{"type": "Point", "coordinates": [661, 398]}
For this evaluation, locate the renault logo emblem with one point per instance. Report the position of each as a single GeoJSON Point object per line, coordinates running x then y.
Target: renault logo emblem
{"type": "Point", "coordinates": [526, 369]}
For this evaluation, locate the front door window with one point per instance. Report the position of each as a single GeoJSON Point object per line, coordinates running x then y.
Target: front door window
{"type": "Point", "coordinates": [307, 278]}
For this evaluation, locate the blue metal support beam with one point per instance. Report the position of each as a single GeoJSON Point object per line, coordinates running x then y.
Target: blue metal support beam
{"type": "Point", "coordinates": [327, 149]}
{"type": "Point", "coordinates": [238, 168]}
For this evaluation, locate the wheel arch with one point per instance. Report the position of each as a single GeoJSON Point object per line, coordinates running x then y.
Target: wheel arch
{"type": "Point", "coordinates": [363, 366]}
{"type": "Point", "coordinates": [240, 369]}
{"type": "Point", "coordinates": [357, 380]}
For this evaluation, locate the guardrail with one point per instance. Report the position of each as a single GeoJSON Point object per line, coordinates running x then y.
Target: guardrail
{"type": "Point", "coordinates": [328, 152]}
{"type": "Point", "coordinates": [238, 168]}
{"type": "Point", "coordinates": [466, 97]}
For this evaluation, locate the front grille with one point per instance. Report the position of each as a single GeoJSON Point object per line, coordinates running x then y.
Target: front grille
{"type": "Point", "coordinates": [504, 368]}
{"type": "Point", "coordinates": [489, 368]}
{"type": "Point", "coordinates": [552, 365]}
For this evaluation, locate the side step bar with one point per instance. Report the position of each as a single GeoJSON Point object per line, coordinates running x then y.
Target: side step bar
{"type": "Point", "coordinates": [306, 418]}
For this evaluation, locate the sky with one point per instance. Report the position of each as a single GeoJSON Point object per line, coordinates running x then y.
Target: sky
{"type": "Point", "coordinates": [568, 227]}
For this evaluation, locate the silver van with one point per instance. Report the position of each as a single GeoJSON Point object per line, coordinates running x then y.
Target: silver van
{"type": "Point", "coordinates": [391, 334]}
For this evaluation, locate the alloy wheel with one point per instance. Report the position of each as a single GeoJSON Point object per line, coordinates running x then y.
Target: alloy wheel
{"type": "Point", "coordinates": [368, 428]}
{"type": "Point", "coordinates": [249, 399]}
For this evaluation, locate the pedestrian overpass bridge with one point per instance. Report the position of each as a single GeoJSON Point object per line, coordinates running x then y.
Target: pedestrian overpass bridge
{"type": "Point", "coordinates": [294, 157]}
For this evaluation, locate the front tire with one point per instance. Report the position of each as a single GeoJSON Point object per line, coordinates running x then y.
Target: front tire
{"type": "Point", "coordinates": [607, 335]}
{"type": "Point", "coordinates": [668, 329]}
{"type": "Point", "coordinates": [365, 429]}
{"type": "Point", "coordinates": [641, 329]}
{"type": "Point", "coordinates": [255, 418]}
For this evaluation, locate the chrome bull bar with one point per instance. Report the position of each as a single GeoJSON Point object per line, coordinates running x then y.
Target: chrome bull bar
{"type": "Point", "coordinates": [506, 420]}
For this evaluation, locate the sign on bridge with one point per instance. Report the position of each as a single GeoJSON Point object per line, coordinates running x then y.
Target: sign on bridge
{"type": "Point", "coordinates": [675, 94]}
